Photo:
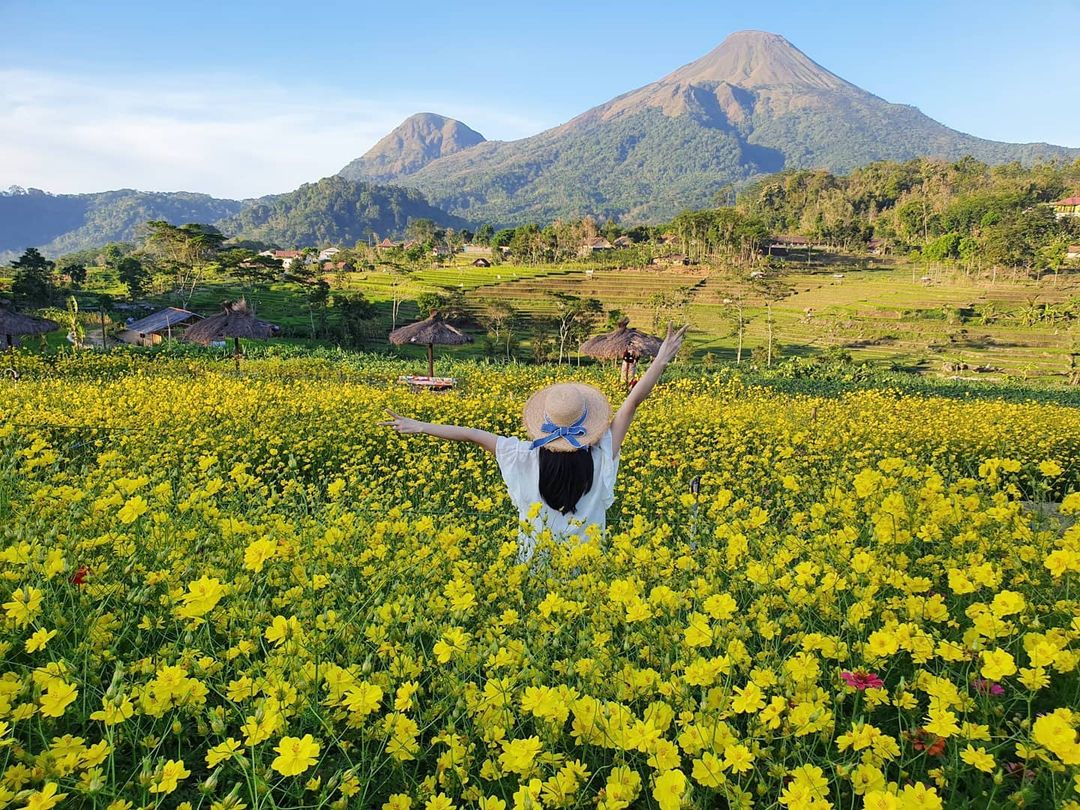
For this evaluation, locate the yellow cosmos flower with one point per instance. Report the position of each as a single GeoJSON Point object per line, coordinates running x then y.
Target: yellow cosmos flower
{"type": "Point", "coordinates": [169, 776]}
{"type": "Point", "coordinates": [295, 755]}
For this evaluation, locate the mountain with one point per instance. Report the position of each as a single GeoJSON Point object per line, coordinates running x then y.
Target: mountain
{"type": "Point", "coordinates": [333, 211]}
{"type": "Point", "coordinates": [756, 104]}
{"type": "Point", "coordinates": [63, 223]}
{"type": "Point", "coordinates": [413, 144]}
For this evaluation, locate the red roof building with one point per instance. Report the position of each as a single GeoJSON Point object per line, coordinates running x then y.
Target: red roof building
{"type": "Point", "coordinates": [1069, 207]}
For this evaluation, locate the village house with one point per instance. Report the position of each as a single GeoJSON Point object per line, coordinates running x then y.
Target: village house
{"type": "Point", "coordinates": [623, 242]}
{"type": "Point", "coordinates": [1069, 207]}
{"type": "Point", "coordinates": [328, 254]}
{"type": "Point", "coordinates": [476, 250]}
{"type": "Point", "coordinates": [876, 247]}
{"type": "Point", "coordinates": [336, 267]}
{"type": "Point", "coordinates": [597, 244]}
{"type": "Point", "coordinates": [481, 262]}
{"type": "Point", "coordinates": [387, 244]}
{"type": "Point", "coordinates": [1072, 252]}
{"type": "Point", "coordinates": [286, 257]}
{"type": "Point", "coordinates": [168, 324]}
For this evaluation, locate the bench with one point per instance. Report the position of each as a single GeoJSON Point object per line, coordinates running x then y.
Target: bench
{"type": "Point", "coordinates": [419, 382]}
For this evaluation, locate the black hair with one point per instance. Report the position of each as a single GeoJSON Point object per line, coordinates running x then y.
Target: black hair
{"type": "Point", "coordinates": [565, 477]}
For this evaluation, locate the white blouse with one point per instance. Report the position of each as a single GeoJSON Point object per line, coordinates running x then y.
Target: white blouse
{"type": "Point", "coordinates": [520, 467]}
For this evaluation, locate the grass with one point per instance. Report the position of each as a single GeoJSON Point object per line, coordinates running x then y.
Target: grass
{"type": "Point", "coordinates": [893, 314]}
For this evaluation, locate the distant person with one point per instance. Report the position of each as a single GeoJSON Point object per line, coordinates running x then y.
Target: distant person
{"type": "Point", "coordinates": [629, 368]}
{"type": "Point", "coordinates": [570, 464]}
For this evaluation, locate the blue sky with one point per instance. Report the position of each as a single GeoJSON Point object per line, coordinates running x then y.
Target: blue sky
{"type": "Point", "coordinates": [241, 98]}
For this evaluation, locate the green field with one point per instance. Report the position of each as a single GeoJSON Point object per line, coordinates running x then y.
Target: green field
{"type": "Point", "coordinates": [936, 321]}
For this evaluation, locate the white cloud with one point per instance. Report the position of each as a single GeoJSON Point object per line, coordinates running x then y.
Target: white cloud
{"type": "Point", "coordinates": [226, 136]}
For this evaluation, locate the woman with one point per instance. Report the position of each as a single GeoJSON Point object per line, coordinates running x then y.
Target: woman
{"type": "Point", "coordinates": [569, 466]}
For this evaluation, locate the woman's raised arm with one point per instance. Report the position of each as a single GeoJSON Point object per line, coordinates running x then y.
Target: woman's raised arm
{"type": "Point", "coordinates": [403, 424]}
{"type": "Point", "coordinates": [625, 415]}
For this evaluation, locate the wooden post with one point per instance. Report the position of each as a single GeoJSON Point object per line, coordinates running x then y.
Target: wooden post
{"type": "Point", "coordinates": [430, 360]}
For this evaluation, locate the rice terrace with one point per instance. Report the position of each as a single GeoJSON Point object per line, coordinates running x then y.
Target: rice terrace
{"type": "Point", "coordinates": [406, 490]}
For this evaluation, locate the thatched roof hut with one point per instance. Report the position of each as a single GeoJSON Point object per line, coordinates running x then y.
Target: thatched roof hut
{"type": "Point", "coordinates": [14, 323]}
{"type": "Point", "coordinates": [429, 331]}
{"type": "Point", "coordinates": [614, 345]}
{"type": "Point", "coordinates": [234, 321]}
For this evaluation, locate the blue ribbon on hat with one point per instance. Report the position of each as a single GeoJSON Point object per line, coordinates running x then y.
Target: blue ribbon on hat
{"type": "Point", "coordinates": [567, 432]}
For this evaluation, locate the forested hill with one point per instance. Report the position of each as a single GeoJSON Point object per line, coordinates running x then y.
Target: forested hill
{"type": "Point", "coordinates": [64, 223]}
{"type": "Point", "coordinates": [333, 211]}
{"type": "Point", "coordinates": [754, 105]}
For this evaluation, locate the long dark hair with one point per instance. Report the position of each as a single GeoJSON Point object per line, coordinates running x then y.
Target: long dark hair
{"type": "Point", "coordinates": [565, 477]}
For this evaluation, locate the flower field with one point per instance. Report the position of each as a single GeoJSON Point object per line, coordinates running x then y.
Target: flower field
{"type": "Point", "coordinates": [236, 591]}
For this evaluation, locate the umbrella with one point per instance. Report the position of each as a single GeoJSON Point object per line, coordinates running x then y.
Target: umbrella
{"type": "Point", "coordinates": [431, 330]}
{"type": "Point", "coordinates": [234, 321]}
{"type": "Point", "coordinates": [614, 345]}
{"type": "Point", "coordinates": [14, 323]}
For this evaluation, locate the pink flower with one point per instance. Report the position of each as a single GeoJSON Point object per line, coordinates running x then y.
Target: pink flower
{"type": "Point", "coordinates": [862, 680]}
{"type": "Point", "coordinates": [985, 687]}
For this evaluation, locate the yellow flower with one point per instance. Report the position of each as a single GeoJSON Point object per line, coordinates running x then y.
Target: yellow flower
{"type": "Point", "coordinates": [708, 771]}
{"type": "Point", "coordinates": [24, 606]}
{"type": "Point", "coordinates": [114, 712]}
{"type": "Point", "coordinates": [257, 553]}
{"type": "Point", "coordinates": [171, 773]}
{"type": "Point", "coordinates": [997, 664]}
{"type": "Point", "coordinates": [669, 789]}
{"type": "Point", "coordinates": [1050, 468]}
{"type": "Point", "coordinates": [202, 596]}
{"type": "Point", "coordinates": [57, 698]}
{"type": "Point", "coordinates": [133, 509]}
{"type": "Point", "coordinates": [45, 798]}
{"type": "Point", "coordinates": [223, 752]}
{"type": "Point", "coordinates": [978, 758]}
{"type": "Point", "coordinates": [721, 606]}
{"type": "Point", "coordinates": [748, 699]}
{"type": "Point", "coordinates": [282, 629]}
{"type": "Point", "coordinates": [39, 639]}
{"type": "Point", "coordinates": [519, 756]}
{"type": "Point", "coordinates": [295, 755]}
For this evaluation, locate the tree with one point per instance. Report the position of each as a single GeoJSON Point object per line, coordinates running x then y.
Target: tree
{"type": "Point", "coordinates": [76, 272]}
{"type": "Point", "coordinates": [430, 302]}
{"type": "Point", "coordinates": [501, 320]}
{"type": "Point", "coordinates": [421, 230]}
{"type": "Point", "coordinates": [357, 314]}
{"type": "Point", "coordinates": [133, 275]}
{"type": "Point", "coordinates": [574, 317]}
{"type": "Point", "coordinates": [186, 250]}
{"type": "Point", "coordinates": [32, 281]}
{"type": "Point", "coordinates": [483, 234]}
{"type": "Point", "coordinates": [318, 299]}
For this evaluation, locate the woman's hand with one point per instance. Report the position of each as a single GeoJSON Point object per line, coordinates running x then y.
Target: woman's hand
{"type": "Point", "coordinates": [670, 347]}
{"type": "Point", "coordinates": [403, 424]}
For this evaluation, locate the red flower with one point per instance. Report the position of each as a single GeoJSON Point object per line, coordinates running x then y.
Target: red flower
{"type": "Point", "coordinates": [923, 740]}
{"type": "Point", "coordinates": [862, 680]}
{"type": "Point", "coordinates": [79, 577]}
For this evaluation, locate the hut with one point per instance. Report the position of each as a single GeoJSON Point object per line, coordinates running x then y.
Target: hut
{"type": "Point", "coordinates": [429, 331]}
{"type": "Point", "coordinates": [626, 344]}
{"type": "Point", "coordinates": [481, 262]}
{"type": "Point", "coordinates": [168, 324]}
{"type": "Point", "coordinates": [14, 324]}
{"type": "Point", "coordinates": [234, 321]}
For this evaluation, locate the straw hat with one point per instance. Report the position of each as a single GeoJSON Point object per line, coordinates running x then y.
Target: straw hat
{"type": "Point", "coordinates": [566, 416]}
